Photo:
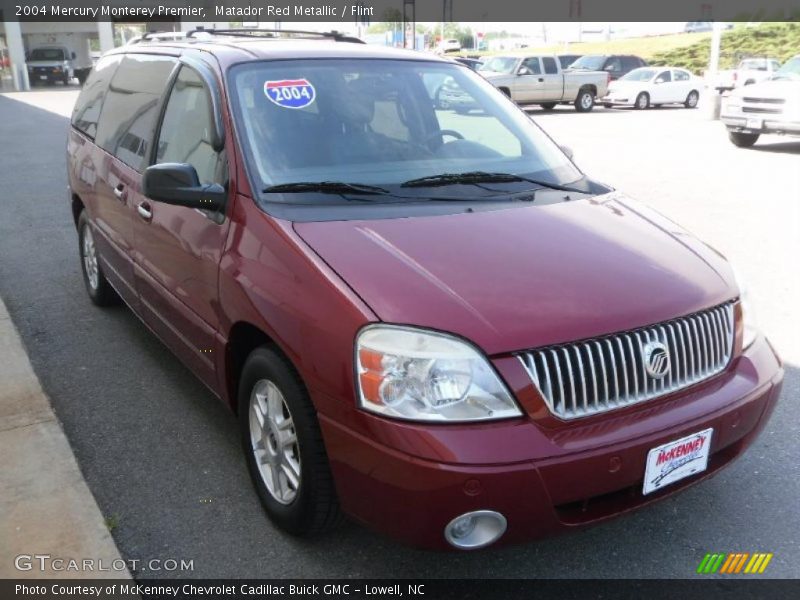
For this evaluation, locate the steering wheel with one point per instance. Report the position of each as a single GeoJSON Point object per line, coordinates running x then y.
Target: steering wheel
{"type": "Point", "coordinates": [441, 133]}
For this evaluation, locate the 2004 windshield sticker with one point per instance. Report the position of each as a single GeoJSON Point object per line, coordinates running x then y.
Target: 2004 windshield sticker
{"type": "Point", "coordinates": [290, 93]}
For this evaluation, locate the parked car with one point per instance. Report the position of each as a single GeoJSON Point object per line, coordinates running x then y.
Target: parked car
{"type": "Point", "coordinates": [540, 80]}
{"type": "Point", "coordinates": [451, 45]}
{"type": "Point", "coordinates": [748, 71]}
{"type": "Point", "coordinates": [449, 332]}
{"type": "Point", "coordinates": [566, 60]}
{"type": "Point", "coordinates": [771, 106]}
{"type": "Point", "coordinates": [51, 64]}
{"type": "Point", "coordinates": [698, 26]}
{"type": "Point", "coordinates": [615, 65]}
{"type": "Point", "coordinates": [654, 86]}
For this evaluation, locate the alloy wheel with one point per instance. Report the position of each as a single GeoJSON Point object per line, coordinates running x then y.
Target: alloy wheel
{"type": "Point", "coordinates": [90, 258]}
{"type": "Point", "coordinates": [273, 440]}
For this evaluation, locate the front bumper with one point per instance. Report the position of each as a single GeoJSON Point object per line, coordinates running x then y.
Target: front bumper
{"type": "Point", "coordinates": [410, 480]}
{"type": "Point", "coordinates": [763, 123]}
{"type": "Point", "coordinates": [616, 100]}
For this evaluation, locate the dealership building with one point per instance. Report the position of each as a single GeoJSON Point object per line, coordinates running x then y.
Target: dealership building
{"type": "Point", "coordinates": [89, 37]}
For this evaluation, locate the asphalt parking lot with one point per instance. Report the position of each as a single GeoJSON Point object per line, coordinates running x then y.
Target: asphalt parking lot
{"type": "Point", "coordinates": [162, 456]}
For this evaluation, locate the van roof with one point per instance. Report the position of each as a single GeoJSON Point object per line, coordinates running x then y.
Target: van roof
{"type": "Point", "coordinates": [238, 47]}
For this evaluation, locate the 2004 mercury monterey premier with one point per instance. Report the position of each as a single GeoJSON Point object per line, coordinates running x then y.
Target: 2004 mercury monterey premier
{"type": "Point", "coordinates": [430, 321]}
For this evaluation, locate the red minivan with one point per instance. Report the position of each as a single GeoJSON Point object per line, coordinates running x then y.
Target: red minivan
{"type": "Point", "coordinates": [432, 322]}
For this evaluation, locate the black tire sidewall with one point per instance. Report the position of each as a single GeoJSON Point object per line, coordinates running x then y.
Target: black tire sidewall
{"type": "Point", "coordinates": [636, 103]}
{"type": "Point", "coordinates": [264, 363]}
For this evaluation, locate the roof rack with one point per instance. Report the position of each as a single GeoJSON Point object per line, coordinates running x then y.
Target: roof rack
{"type": "Point", "coordinates": [154, 36]}
{"type": "Point", "coordinates": [277, 33]}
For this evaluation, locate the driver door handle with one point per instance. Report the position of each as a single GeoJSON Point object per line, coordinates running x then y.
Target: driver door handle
{"type": "Point", "coordinates": [145, 211]}
{"type": "Point", "coordinates": [120, 192]}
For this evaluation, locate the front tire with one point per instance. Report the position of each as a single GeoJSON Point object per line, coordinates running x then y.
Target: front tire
{"type": "Point", "coordinates": [548, 105]}
{"type": "Point", "coordinates": [742, 140]}
{"type": "Point", "coordinates": [97, 286]}
{"type": "Point", "coordinates": [642, 101]}
{"type": "Point", "coordinates": [692, 99]}
{"type": "Point", "coordinates": [283, 445]}
{"type": "Point", "coordinates": [585, 101]}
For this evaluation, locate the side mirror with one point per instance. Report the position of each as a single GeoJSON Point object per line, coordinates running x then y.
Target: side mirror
{"type": "Point", "coordinates": [524, 71]}
{"type": "Point", "coordinates": [659, 80]}
{"type": "Point", "coordinates": [567, 150]}
{"type": "Point", "coordinates": [178, 184]}
{"type": "Point", "coordinates": [73, 55]}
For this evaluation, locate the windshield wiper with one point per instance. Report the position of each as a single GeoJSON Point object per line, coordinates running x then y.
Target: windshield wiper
{"type": "Point", "coordinates": [325, 187]}
{"type": "Point", "coordinates": [477, 177]}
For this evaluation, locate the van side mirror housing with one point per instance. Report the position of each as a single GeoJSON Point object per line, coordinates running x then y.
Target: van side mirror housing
{"type": "Point", "coordinates": [178, 184]}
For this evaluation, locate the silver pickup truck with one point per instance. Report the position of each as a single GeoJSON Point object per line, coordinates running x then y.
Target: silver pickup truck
{"type": "Point", "coordinates": [770, 106]}
{"type": "Point", "coordinates": [540, 80]}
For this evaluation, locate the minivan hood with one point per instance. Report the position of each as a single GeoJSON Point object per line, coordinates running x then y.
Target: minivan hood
{"type": "Point", "coordinates": [524, 277]}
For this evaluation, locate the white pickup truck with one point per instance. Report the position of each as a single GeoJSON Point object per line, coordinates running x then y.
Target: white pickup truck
{"type": "Point", "coordinates": [747, 72]}
{"type": "Point", "coordinates": [540, 80]}
{"type": "Point", "coordinates": [770, 106]}
{"type": "Point", "coordinates": [58, 58]}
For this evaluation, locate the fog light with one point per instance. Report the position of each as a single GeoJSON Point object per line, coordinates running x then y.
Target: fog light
{"type": "Point", "coordinates": [475, 529]}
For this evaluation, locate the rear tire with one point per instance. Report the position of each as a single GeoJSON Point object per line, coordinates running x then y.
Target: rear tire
{"type": "Point", "coordinates": [642, 101]}
{"type": "Point", "coordinates": [283, 446]}
{"type": "Point", "coordinates": [742, 140]}
{"type": "Point", "coordinates": [692, 99]}
{"type": "Point", "coordinates": [585, 100]}
{"type": "Point", "coordinates": [100, 291]}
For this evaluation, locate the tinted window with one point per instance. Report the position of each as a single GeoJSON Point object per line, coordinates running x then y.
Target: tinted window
{"type": "Point", "coordinates": [186, 130]}
{"type": "Point", "coordinates": [613, 64]}
{"type": "Point", "coordinates": [131, 107]}
{"type": "Point", "coordinates": [630, 62]}
{"type": "Point", "coordinates": [549, 65]}
{"type": "Point", "coordinates": [533, 65]}
{"type": "Point", "coordinates": [90, 102]}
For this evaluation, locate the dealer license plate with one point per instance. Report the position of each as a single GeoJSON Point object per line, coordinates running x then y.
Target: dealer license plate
{"type": "Point", "coordinates": [755, 123]}
{"type": "Point", "coordinates": [676, 460]}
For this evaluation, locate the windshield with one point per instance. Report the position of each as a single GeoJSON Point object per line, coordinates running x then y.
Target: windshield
{"type": "Point", "coordinates": [590, 63]}
{"type": "Point", "coordinates": [379, 123]}
{"type": "Point", "coordinates": [500, 64]}
{"type": "Point", "coordinates": [47, 54]}
{"type": "Point", "coordinates": [791, 70]}
{"type": "Point", "coordinates": [639, 75]}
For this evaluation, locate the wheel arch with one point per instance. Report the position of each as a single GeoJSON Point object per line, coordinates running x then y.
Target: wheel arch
{"type": "Point", "coordinates": [243, 338]}
{"type": "Point", "coordinates": [77, 207]}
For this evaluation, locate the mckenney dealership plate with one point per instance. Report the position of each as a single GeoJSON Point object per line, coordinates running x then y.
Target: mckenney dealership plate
{"type": "Point", "coordinates": [676, 460]}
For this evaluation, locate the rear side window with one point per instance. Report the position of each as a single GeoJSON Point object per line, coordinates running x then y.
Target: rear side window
{"type": "Point", "coordinates": [185, 135]}
{"type": "Point", "coordinates": [613, 64]}
{"type": "Point", "coordinates": [87, 108]}
{"type": "Point", "coordinates": [664, 77]}
{"type": "Point", "coordinates": [681, 75]}
{"type": "Point", "coordinates": [549, 65]}
{"type": "Point", "coordinates": [131, 107]}
{"type": "Point", "coordinates": [629, 63]}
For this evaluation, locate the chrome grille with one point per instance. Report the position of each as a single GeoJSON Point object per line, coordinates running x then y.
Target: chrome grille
{"type": "Point", "coordinates": [765, 100]}
{"type": "Point", "coordinates": [602, 374]}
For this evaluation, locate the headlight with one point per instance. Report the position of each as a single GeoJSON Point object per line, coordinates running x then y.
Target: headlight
{"type": "Point", "coordinates": [749, 326]}
{"type": "Point", "coordinates": [420, 375]}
